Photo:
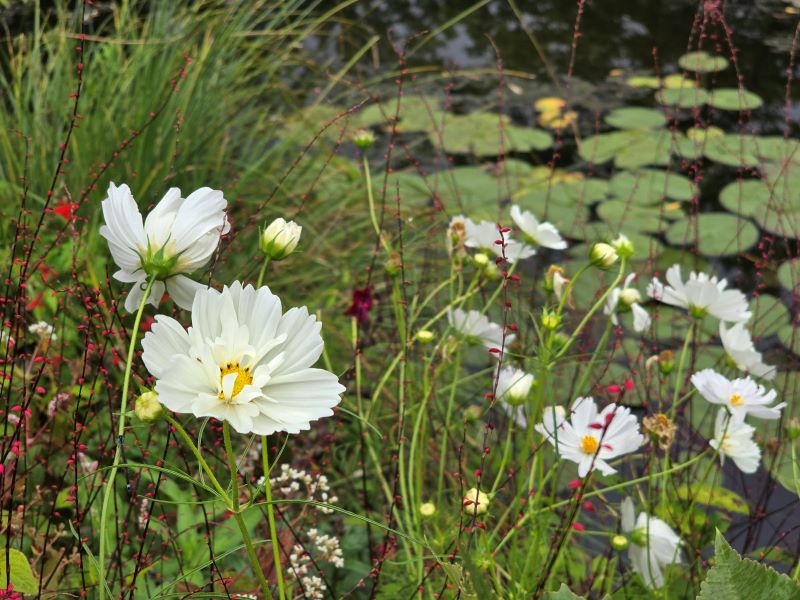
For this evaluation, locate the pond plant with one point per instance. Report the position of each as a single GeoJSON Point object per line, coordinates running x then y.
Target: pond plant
{"type": "Point", "coordinates": [403, 340]}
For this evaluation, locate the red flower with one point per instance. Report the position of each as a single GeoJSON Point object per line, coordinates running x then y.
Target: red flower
{"type": "Point", "coordinates": [361, 305]}
{"type": "Point", "coordinates": [66, 210]}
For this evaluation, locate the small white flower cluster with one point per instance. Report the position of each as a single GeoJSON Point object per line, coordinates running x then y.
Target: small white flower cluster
{"type": "Point", "coordinates": [43, 330]}
{"type": "Point", "coordinates": [316, 486]}
{"type": "Point", "coordinates": [326, 549]}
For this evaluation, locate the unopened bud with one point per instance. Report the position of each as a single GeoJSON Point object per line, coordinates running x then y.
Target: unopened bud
{"type": "Point", "coordinates": [363, 138]}
{"type": "Point", "coordinates": [481, 260]}
{"type": "Point", "coordinates": [148, 408]}
{"type": "Point", "coordinates": [603, 255]}
{"type": "Point", "coordinates": [550, 319]}
{"type": "Point", "coordinates": [475, 502]}
{"type": "Point", "coordinates": [619, 543]}
{"type": "Point", "coordinates": [793, 428]}
{"type": "Point", "coordinates": [280, 238]}
{"type": "Point", "coordinates": [630, 296]}
{"type": "Point", "coordinates": [424, 336]}
{"type": "Point", "coordinates": [623, 246]}
{"type": "Point", "coordinates": [427, 509]}
{"type": "Point", "coordinates": [393, 265]}
{"type": "Point", "coordinates": [666, 362]}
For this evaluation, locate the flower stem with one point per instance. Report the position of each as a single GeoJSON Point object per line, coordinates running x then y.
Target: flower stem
{"type": "Point", "coordinates": [109, 484]}
{"type": "Point", "coordinates": [273, 532]}
{"type": "Point", "coordinates": [262, 272]}
{"type": "Point", "coordinates": [237, 512]}
{"type": "Point", "coordinates": [371, 199]}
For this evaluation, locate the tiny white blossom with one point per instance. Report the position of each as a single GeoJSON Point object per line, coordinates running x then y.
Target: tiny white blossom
{"type": "Point", "coordinates": [43, 330]}
{"type": "Point", "coordinates": [627, 298]}
{"type": "Point", "coordinates": [739, 346]}
{"type": "Point", "coordinates": [700, 295]}
{"type": "Point", "coordinates": [741, 396]}
{"type": "Point", "coordinates": [477, 328]}
{"type": "Point", "coordinates": [539, 234]}
{"type": "Point", "coordinates": [590, 439]}
{"type": "Point", "coordinates": [654, 544]}
{"type": "Point", "coordinates": [735, 440]}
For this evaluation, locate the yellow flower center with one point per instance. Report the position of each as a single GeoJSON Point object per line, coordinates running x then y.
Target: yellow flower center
{"type": "Point", "coordinates": [589, 444]}
{"type": "Point", "coordinates": [736, 400]}
{"type": "Point", "coordinates": [243, 378]}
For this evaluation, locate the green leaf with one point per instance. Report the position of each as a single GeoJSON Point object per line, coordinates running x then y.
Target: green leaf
{"type": "Point", "coordinates": [702, 62]}
{"type": "Point", "coordinates": [716, 234]}
{"type": "Point", "coordinates": [563, 593]}
{"type": "Point", "coordinates": [647, 219]}
{"type": "Point", "coordinates": [745, 196]}
{"type": "Point", "coordinates": [21, 574]}
{"type": "Point", "coordinates": [770, 315]}
{"type": "Point", "coordinates": [734, 99]}
{"type": "Point", "coordinates": [635, 118]}
{"type": "Point", "coordinates": [735, 578]}
{"type": "Point", "coordinates": [651, 186]}
{"type": "Point", "coordinates": [688, 97]}
{"type": "Point", "coordinates": [733, 149]}
{"type": "Point", "coordinates": [478, 133]}
{"type": "Point", "coordinates": [778, 220]}
{"type": "Point", "coordinates": [789, 274]}
{"type": "Point", "coordinates": [713, 495]}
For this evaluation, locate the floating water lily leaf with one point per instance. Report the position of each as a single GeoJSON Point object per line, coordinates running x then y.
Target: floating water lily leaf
{"type": "Point", "coordinates": [629, 216]}
{"type": "Point", "coordinates": [770, 315]}
{"type": "Point", "coordinates": [570, 218]}
{"type": "Point", "coordinates": [778, 220]}
{"type": "Point", "coordinates": [734, 99]}
{"type": "Point", "coordinates": [478, 133]}
{"type": "Point", "coordinates": [732, 149]}
{"type": "Point", "coordinates": [474, 191]}
{"type": "Point", "coordinates": [689, 261]}
{"type": "Point", "coordinates": [702, 62]}
{"type": "Point", "coordinates": [644, 81]}
{"type": "Point", "coordinates": [687, 97]}
{"type": "Point", "coordinates": [744, 196]}
{"type": "Point", "coordinates": [789, 274]}
{"type": "Point", "coordinates": [716, 234]}
{"type": "Point", "coordinates": [417, 113]}
{"type": "Point", "coordinates": [700, 134]}
{"type": "Point", "coordinates": [777, 149]}
{"type": "Point", "coordinates": [541, 192]}
{"type": "Point", "coordinates": [635, 118]}
{"type": "Point", "coordinates": [676, 80]}
{"type": "Point", "coordinates": [651, 186]}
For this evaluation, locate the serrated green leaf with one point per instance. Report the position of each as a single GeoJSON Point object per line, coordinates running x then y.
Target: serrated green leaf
{"type": "Point", "coordinates": [735, 578]}
{"type": "Point", "coordinates": [563, 593]}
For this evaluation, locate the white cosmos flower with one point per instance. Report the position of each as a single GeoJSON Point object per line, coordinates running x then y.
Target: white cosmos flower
{"type": "Point", "coordinates": [741, 396]}
{"type": "Point", "coordinates": [243, 361]}
{"type": "Point", "coordinates": [700, 295]}
{"type": "Point", "coordinates": [735, 440]}
{"type": "Point", "coordinates": [739, 346]}
{"type": "Point", "coordinates": [590, 439]}
{"type": "Point", "coordinates": [540, 234]}
{"type": "Point", "coordinates": [654, 544]}
{"type": "Point", "coordinates": [177, 238]}
{"type": "Point", "coordinates": [627, 298]}
{"type": "Point", "coordinates": [477, 328]}
{"type": "Point", "coordinates": [483, 236]}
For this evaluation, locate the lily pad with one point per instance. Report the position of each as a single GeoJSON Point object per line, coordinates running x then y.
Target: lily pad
{"type": "Point", "coordinates": [702, 62]}
{"type": "Point", "coordinates": [734, 150]}
{"type": "Point", "coordinates": [701, 134]}
{"type": "Point", "coordinates": [651, 186]}
{"type": "Point", "coordinates": [417, 113]}
{"type": "Point", "coordinates": [682, 97]}
{"type": "Point", "coordinates": [623, 214]}
{"type": "Point", "coordinates": [770, 315]}
{"type": "Point", "coordinates": [745, 196]}
{"type": "Point", "coordinates": [635, 118]}
{"type": "Point", "coordinates": [734, 99]}
{"type": "Point", "coordinates": [778, 220]}
{"type": "Point", "coordinates": [478, 133]}
{"type": "Point", "coordinates": [789, 336]}
{"type": "Point", "coordinates": [789, 274]}
{"type": "Point", "coordinates": [716, 234]}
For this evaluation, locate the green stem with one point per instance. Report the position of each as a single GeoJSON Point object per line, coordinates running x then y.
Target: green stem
{"type": "Point", "coordinates": [203, 464]}
{"type": "Point", "coordinates": [273, 532]}
{"type": "Point", "coordinates": [371, 199]}
{"type": "Point", "coordinates": [109, 485]}
{"type": "Point", "coordinates": [681, 365]}
{"type": "Point", "coordinates": [262, 272]}
{"type": "Point", "coordinates": [237, 513]}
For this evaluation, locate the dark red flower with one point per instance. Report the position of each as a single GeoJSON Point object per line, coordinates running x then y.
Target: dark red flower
{"type": "Point", "coordinates": [66, 210]}
{"type": "Point", "coordinates": [361, 305]}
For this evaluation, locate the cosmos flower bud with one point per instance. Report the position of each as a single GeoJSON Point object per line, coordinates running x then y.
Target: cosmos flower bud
{"type": "Point", "coordinates": [481, 260]}
{"type": "Point", "coordinates": [427, 509]}
{"type": "Point", "coordinates": [793, 428]}
{"type": "Point", "coordinates": [629, 296]}
{"type": "Point", "coordinates": [603, 255]}
{"type": "Point", "coordinates": [148, 408]}
{"type": "Point", "coordinates": [623, 246]}
{"type": "Point", "coordinates": [363, 138]}
{"type": "Point", "coordinates": [393, 265]}
{"type": "Point", "coordinates": [619, 543]}
{"type": "Point", "coordinates": [280, 239]}
{"type": "Point", "coordinates": [550, 319]}
{"type": "Point", "coordinates": [666, 361]}
{"type": "Point", "coordinates": [475, 502]}
{"type": "Point", "coordinates": [424, 336]}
